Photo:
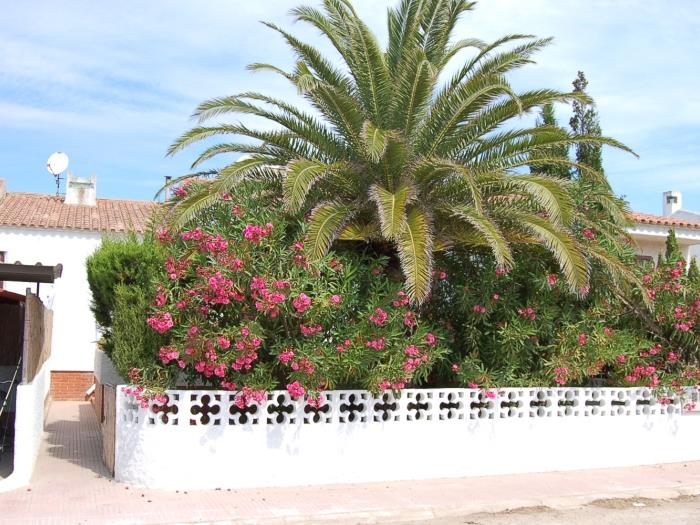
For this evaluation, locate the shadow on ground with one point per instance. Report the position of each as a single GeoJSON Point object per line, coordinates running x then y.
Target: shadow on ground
{"type": "Point", "coordinates": [79, 442]}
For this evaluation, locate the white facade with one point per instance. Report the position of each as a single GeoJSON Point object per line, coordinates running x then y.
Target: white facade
{"type": "Point", "coordinates": [74, 329]}
{"type": "Point", "coordinates": [650, 240]}
{"type": "Point", "coordinates": [202, 440]}
{"type": "Point", "coordinates": [650, 231]}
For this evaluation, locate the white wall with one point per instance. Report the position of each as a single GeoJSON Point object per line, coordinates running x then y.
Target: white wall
{"type": "Point", "coordinates": [74, 329]}
{"type": "Point", "coordinates": [29, 428]}
{"type": "Point", "coordinates": [483, 437]}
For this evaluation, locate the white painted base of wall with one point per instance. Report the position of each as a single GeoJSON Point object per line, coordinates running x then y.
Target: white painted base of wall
{"type": "Point", "coordinates": [187, 451]}
{"type": "Point", "coordinates": [29, 428]}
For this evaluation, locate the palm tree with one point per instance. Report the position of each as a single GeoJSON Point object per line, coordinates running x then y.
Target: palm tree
{"type": "Point", "coordinates": [395, 155]}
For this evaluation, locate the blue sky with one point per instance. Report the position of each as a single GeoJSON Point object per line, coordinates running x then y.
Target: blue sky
{"type": "Point", "coordinates": [113, 83]}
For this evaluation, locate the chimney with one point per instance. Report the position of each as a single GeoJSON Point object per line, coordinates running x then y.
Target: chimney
{"type": "Point", "coordinates": [166, 193]}
{"type": "Point", "coordinates": [3, 191]}
{"type": "Point", "coordinates": [672, 203]}
{"type": "Point", "coordinates": [81, 190]}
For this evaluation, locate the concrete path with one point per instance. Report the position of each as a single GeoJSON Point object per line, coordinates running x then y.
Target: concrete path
{"type": "Point", "coordinates": [70, 485]}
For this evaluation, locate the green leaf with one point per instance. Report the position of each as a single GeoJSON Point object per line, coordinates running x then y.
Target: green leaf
{"type": "Point", "coordinates": [415, 247]}
{"type": "Point", "coordinates": [490, 232]}
{"type": "Point", "coordinates": [375, 141]}
{"type": "Point", "coordinates": [391, 208]}
{"type": "Point", "coordinates": [299, 179]}
{"type": "Point", "coordinates": [325, 223]}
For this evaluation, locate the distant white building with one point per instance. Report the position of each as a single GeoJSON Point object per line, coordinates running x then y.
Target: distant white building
{"type": "Point", "coordinates": [650, 231]}
{"type": "Point", "coordinates": [47, 229]}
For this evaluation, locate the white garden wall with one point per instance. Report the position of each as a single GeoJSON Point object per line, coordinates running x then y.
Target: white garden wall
{"type": "Point", "coordinates": [201, 440]}
{"type": "Point", "coordinates": [29, 428]}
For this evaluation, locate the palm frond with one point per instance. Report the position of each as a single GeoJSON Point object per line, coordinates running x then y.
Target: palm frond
{"type": "Point", "coordinates": [489, 230]}
{"type": "Point", "coordinates": [300, 177]}
{"type": "Point", "coordinates": [415, 250]}
{"type": "Point", "coordinates": [327, 219]}
{"type": "Point", "coordinates": [391, 208]}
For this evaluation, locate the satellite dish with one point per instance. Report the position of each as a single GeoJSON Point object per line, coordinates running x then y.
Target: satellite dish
{"type": "Point", "coordinates": [57, 163]}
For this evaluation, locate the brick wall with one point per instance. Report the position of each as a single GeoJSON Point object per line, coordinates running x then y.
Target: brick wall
{"type": "Point", "coordinates": [70, 386]}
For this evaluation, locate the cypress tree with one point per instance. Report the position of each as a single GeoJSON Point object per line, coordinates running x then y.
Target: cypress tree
{"type": "Point", "coordinates": [561, 151]}
{"type": "Point", "coordinates": [585, 121]}
{"type": "Point", "coordinates": [673, 251]}
{"type": "Point", "coordinates": [694, 273]}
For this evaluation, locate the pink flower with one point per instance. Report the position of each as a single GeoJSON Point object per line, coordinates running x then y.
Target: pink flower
{"type": "Point", "coordinates": [607, 331]}
{"type": "Point", "coordinates": [236, 210]}
{"type": "Point", "coordinates": [192, 330]}
{"type": "Point", "coordinates": [672, 357]}
{"type": "Point", "coordinates": [161, 297]}
{"type": "Point", "coordinates": [412, 350]}
{"type": "Point", "coordinates": [430, 339]}
{"type": "Point", "coordinates": [456, 367]}
{"type": "Point", "coordinates": [311, 329]}
{"type": "Point", "coordinates": [472, 385]}
{"type": "Point", "coordinates": [409, 319]}
{"type": "Point", "coordinates": [479, 309]}
{"type": "Point", "coordinates": [621, 359]}
{"type": "Point", "coordinates": [377, 344]}
{"type": "Point", "coordinates": [379, 317]}
{"type": "Point", "coordinates": [315, 401]}
{"type": "Point", "coordinates": [582, 338]}
{"type": "Point", "coordinates": [647, 279]}
{"type": "Point", "coordinates": [286, 356]}
{"type": "Point", "coordinates": [496, 297]}
{"type": "Point", "coordinates": [384, 385]}
{"type": "Point", "coordinates": [301, 303]}
{"type": "Point", "coordinates": [245, 331]}
{"type": "Point", "coordinates": [500, 272]}
{"type": "Point", "coordinates": [552, 279]}
{"type": "Point", "coordinates": [161, 322]}
{"type": "Point", "coordinates": [296, 390]}
{"type": "Point", "coordinates": [401, 299]}
{"type": "Point", "coordinates": [342, 347]}
{"type": "Point", "coordinates": [528, 313]}
{"type": "Point", "coordinates": [588, 234]}
{"type": "Point", "coordinates": [255, 233]}
{"type": "Point", "coordinates": [490, 394]}
{"type": "Point", "coordinates": [223, 342]}
{"type": "Point", "coordinates": [335, 300]}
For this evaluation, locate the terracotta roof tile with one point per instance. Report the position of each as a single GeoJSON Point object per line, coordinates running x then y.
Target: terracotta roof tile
{"type": "Point", "coordinates": [35, 210]}
{"type": "Point", "coordinates": [661, 220]}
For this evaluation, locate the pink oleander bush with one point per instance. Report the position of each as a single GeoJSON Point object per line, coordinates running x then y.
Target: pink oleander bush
{"type": "Point", "coordinates": [233, 303]}
{"type": "Point", "coordinates": [523, 328]}
{"type": "Point", "coordinates": [241, 308]}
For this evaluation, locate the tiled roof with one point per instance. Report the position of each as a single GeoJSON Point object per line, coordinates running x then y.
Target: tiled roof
{"type": "Point", "coordinates": [661, 220]}
{"type": "Point", "coordinates": [35, 210]}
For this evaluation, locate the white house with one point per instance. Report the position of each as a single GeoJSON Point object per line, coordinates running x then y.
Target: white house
{"type": "Point", "coordinates": [47, 229]}
{"type": "Point", "coordinates": [650, 231]}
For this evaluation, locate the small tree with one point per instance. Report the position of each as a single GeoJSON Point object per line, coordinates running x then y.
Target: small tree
{"type": "Point", "coordinates": [673, 251]}
{"type": "Point", "coordinates": [694, 273]}
{"type": "Point", "coordinates": [547, 118]}
{"type": "Point", "coordinates": [585, 121]}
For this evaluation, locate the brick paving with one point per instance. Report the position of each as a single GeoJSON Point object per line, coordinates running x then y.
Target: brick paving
{"type": "Point", "coordinates": [71, 486]}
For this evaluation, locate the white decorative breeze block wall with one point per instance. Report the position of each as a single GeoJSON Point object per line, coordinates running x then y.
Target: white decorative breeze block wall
{"type": "Point", "coordinates": [202, 440]}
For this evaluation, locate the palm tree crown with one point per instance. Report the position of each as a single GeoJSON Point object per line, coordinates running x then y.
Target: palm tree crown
{"type": "Point", "coordinates": [398, 153]}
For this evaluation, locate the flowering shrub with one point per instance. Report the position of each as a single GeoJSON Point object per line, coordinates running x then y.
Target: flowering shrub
{"type": "Point", "coordinates": [242, 309]}
{"type": "Point", "coordinates": [522, 327]}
